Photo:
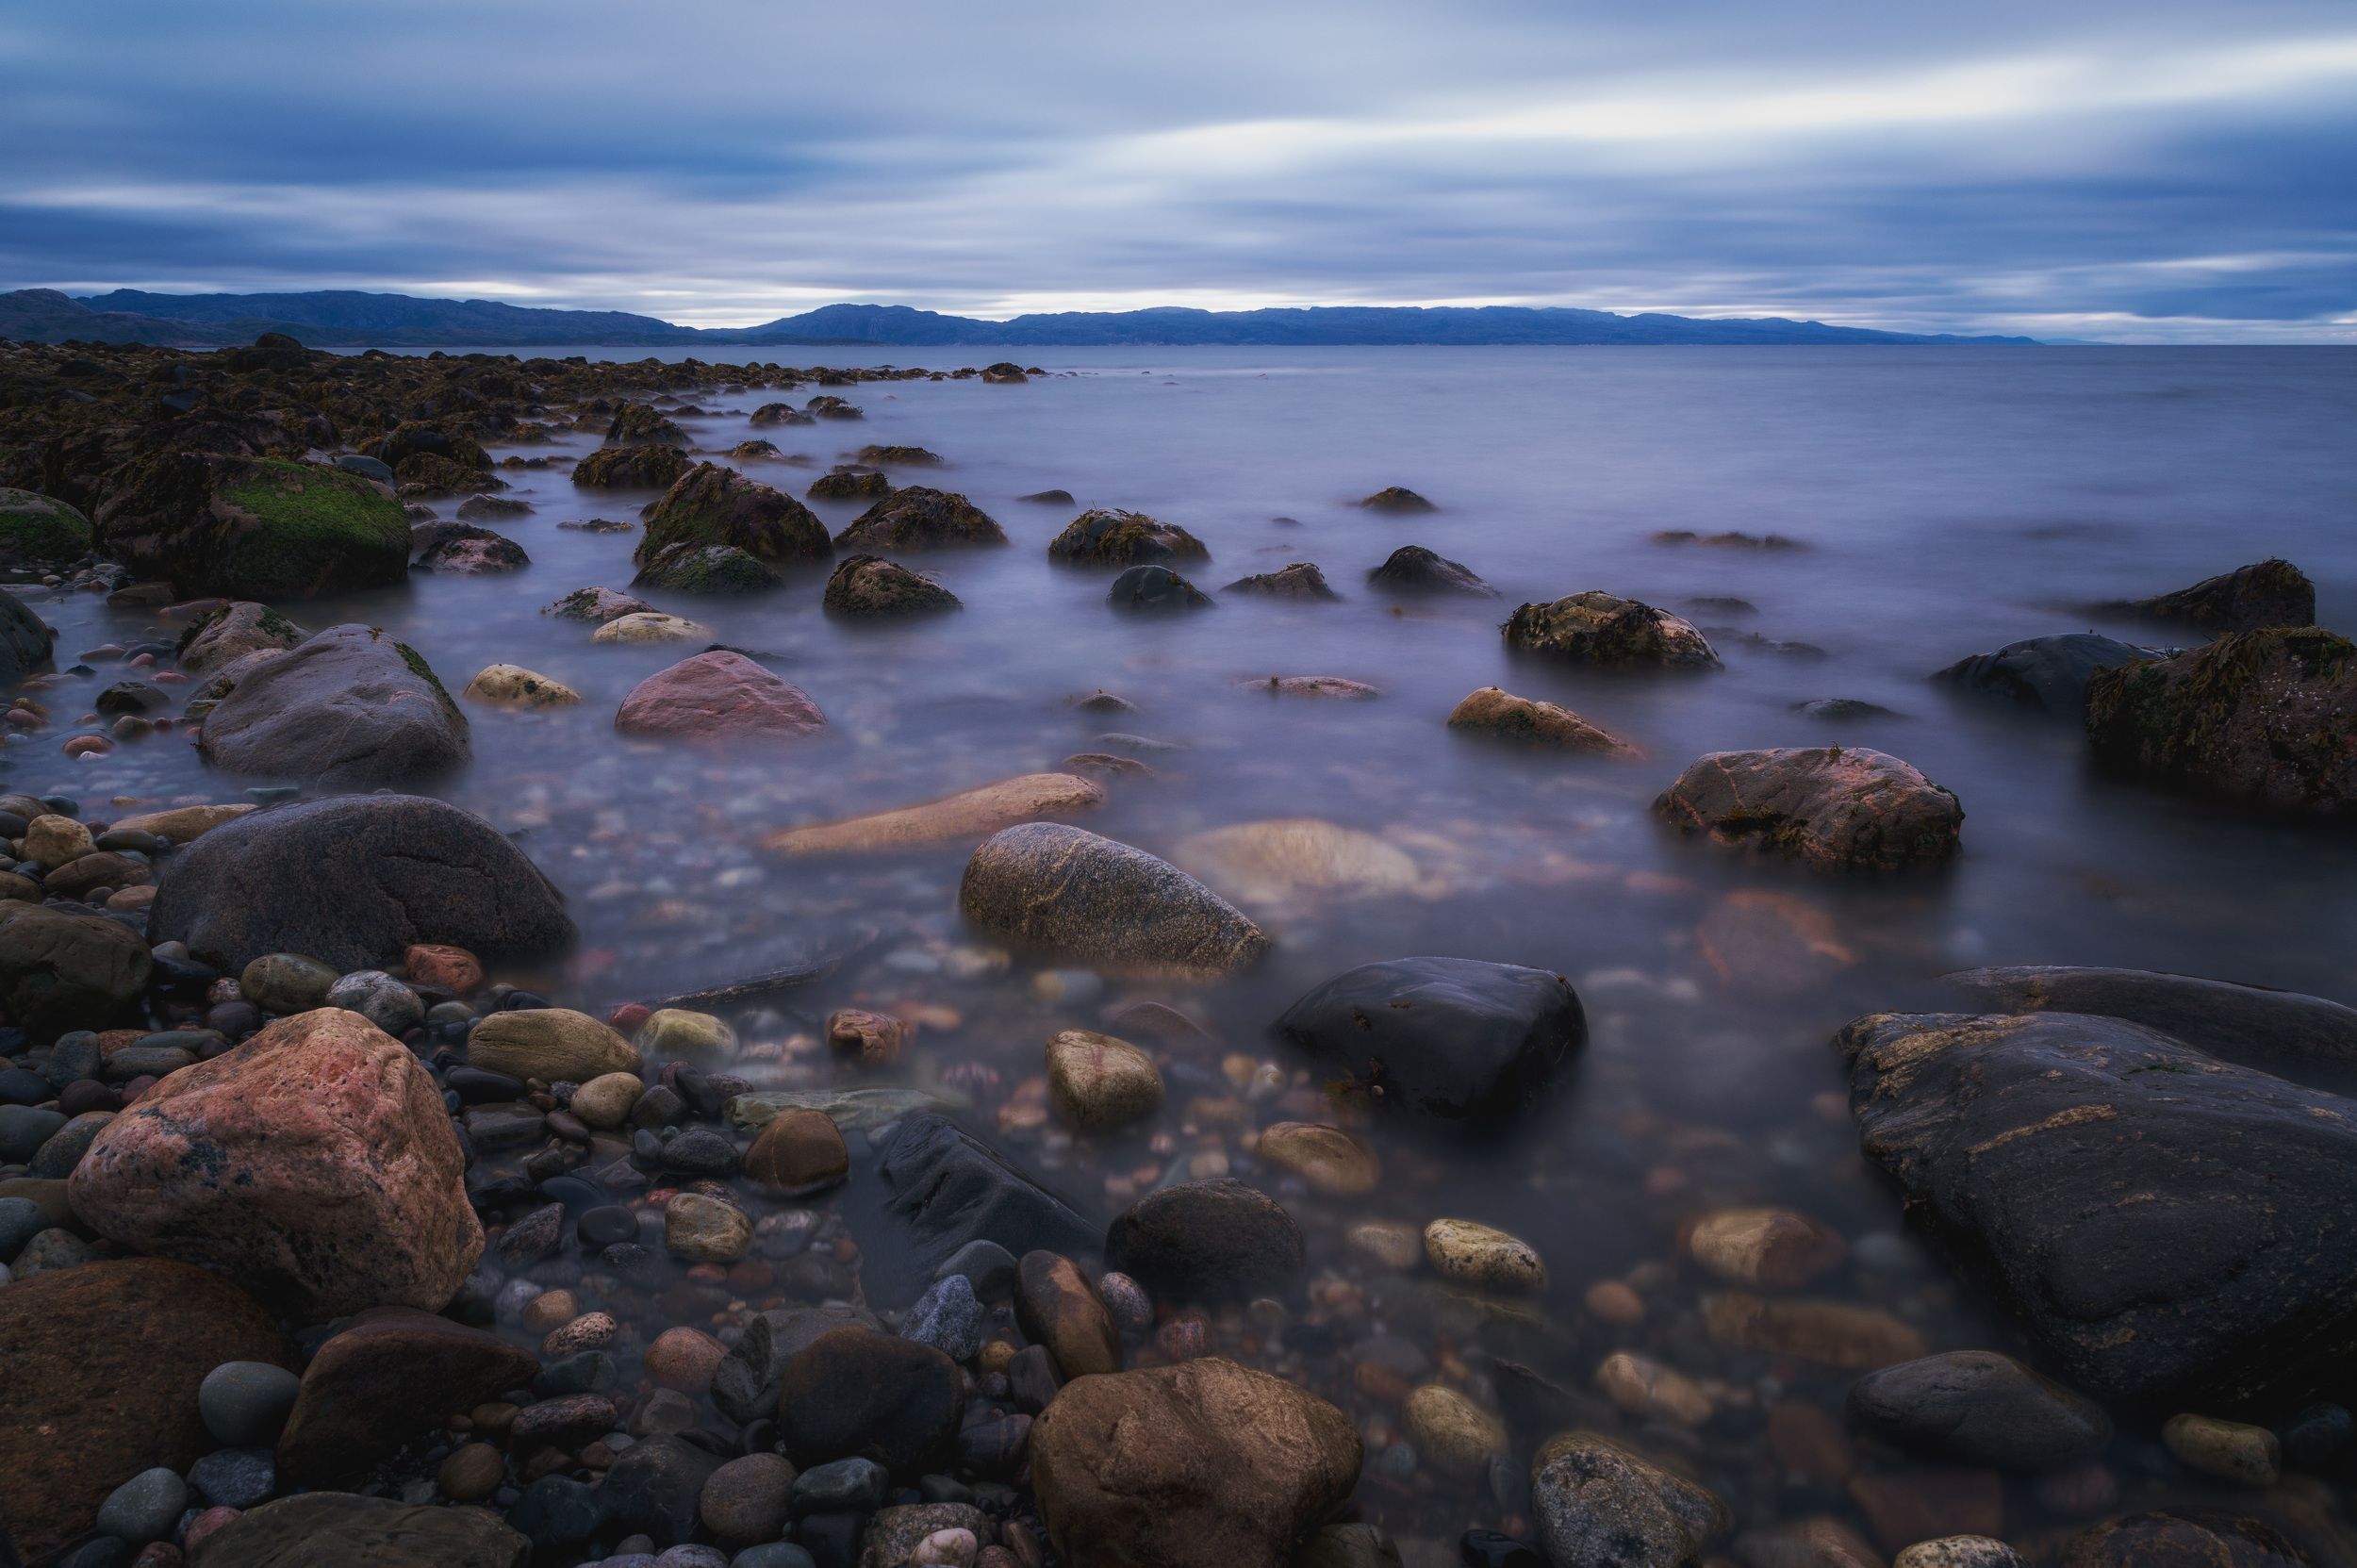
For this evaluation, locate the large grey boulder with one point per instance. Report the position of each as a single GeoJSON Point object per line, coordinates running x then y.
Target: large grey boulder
{"type": "Point", "coordinates": [348, 709]}
{"type": "Point", "coordinates": [2050, 673]}
{"type": "Point", "coordinates": [2279, 1031]}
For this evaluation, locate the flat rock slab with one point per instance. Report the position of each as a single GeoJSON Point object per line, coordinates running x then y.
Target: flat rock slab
{"type": "Point", "coordinates": [2254, 1025]}
{"type": "Point", "coordinates": [969, 813]}
{"type": "Point", "coordinates": [348, 709]}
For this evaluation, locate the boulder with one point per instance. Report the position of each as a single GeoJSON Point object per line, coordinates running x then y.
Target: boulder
{"type": "Point", "coordinates": [1155, 591]}
{"type": "Point", "coordinates": [1609, 632]}
{"type": "Point", "coordinates": [63, 969]}
{"type": "Point", "coordinates": [1460, 1042]}
{"type": "Point", "coordinates": [355, 882]}
{"type": "Point", "coordinates": [511, 686]}
{"type": "Point", "coordinates": [1079, 898]}
{"type": "Point", "coordinates": [1412, 569]}
{"type": "Point", "coordinates": [464, 549]}
{"type": "Point", "coordinates": [944, 1190]}
{"type": "Point", "coordinates": [2272, 592]}
{"type": "Point", "coordinates": [338, 1529]}
{"type": "Point", "coordinates": [1205, 1465]}
{"type": "Point", "coordinates": [655, 1487]}
{"type": "Point", "coordinates": [870, 586]}
{"type": "Point", "coordinates": [40, 530]}
{"type": "Point", "coordinates": [348, 709]}
{"type": "Point", "coordinates": [1498, 715]}
{"type": "Point", "coordinates": [970, 813]}
{"type": "Point", "coordinates": [1599, 1503]}
{"type": "Point", "coordinates": [852, 1392]}
{"type": "Point", "coordinates": [2282, 1032]}
{"type": "Point", "coordinates": [1213, 1241]}
{"type": "Point", "coordinates": [393, 1374]}
{"type": "Point", "coordinates": [2171, 1229]}
{"type": "Point", "coordinates": [315, 1164]}
{"type": "Point", "coordinates": [1106, 537]}
{"type": "Point", "coordinates": [1395, 498]}
{"type": "Point", "coordinates": [706, 569]}
{"type": "Point", "coordinates": [1322, 688]}
{"type": "Point", "coordinates": [1979, 1407]}
{"type": "Point", "coordinates": [650, 626]}
{"type": "Point", "coordinates": [552, 1044]}
{"type": "Point", "coordinates": [2260, 718]}
{"type": "Point", "coordinates": [1828, 805]}
{"type": "Point", "coordinates": [848, 482]}
{"type": "Point", "coordinates": [1302, 581]}
{"type": "Point", "coordinates": [712, 505]}
{"type": "Point", "coordinates": [1097, 1083]}
{"type": "Point", "coordinates": [634, 422]}
{"type": "Point", "coordinates": [718, 695]}
{"type": "Point", "coordinates": [259, 528]}
{"type": "Point", "coordinates": [232, 632]}
{"type": "Point", "coordinates": [918, 517]}
{"type": "Point", "coordinates": [2048, 673]}
{"type": "Point", "coordinates": [651, 466]}
{"type": "Point", "coordinates": [104, 1364]}
{"type": "Point", "coordinates": [26, 641]}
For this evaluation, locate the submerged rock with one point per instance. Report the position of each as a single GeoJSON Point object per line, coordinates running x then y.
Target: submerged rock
{"type": "Point", "coordinates": [869, 586]}
{"type": "Point", "coordinates": [2261, 719]}
{"type": "Point", "coordinates": [848, 482]}
{"type": "Point", "coordinates": [2171, 1227]}
{"type": "Point", "coordinates": [1465, 1043]}
{"type": "Point", "coordinates": [595, 606]}
{"type": "Point", "coordinates": [348, 709]}
{"type": "Point", "coordinates": [1414, 570]}
{"type": "Point", "coordinates": [2279, 1031]}
{"type": "Point", "coordinates": [2272, 592]}
{"type": "Point", "coordinates": [650, 626]}
{"type": "Point", "coordinates": [1300, 581]}
{"type": "Point", "coordinates": [919, 518]}
{"type": "Point", "coordinates": [466, 551]}
{"type": "Point", "coordinates": [41, 530]}
{"type": "Point", "coordinates": [258, 528]}
{"type": "Point", "coordinates": [26, 641]}
{"type": "Point", "coordinates": [232, 630]}
{"type": "Point", "coordinates": [947, 1190]}
{"type": "Point", "coordinates": [1097, 1082]}
{"type": "Point", "coordinates": [1276, 862]}
{"type": "Point", "coordinates": [395, 1373]}
{"type": "Point", "coordinates": [1979, 1407]}
{"type": "Point", "coordinates": [711, 505]}
{"type": "Point", "coordinates": [1599, 629]}
{"type": "Point", "coordinates": [2202, 1539]}
{"type": "Point", "coordinates": [721, 695]}
{"type": "Point", "coordinates": [1830, 805]}
{"type": "Point", "coordinates": [1075, 897]}
{"type": "Point", "coordinates": [706, 569]}
{"type": "Point", "coordinates": [651, 466]}
{"type": "Point", "coordinates": [1600, 1503]}
{"type": "Point", "coordinates": [511, 686]}
{"type": "Point", "coordinates": [1499, 715]}
{"type": "Point", "coordinates": [1155, 591]}
{"type": "Point", "coordinates": [1395, 498]}
{"type": "Point", "coordinates": [2050, 673]}
{"type": "Point", "coordinates": [64, 970]}
{"type": "Point", "coordinates": [1331, 689]}
{"type": "Point", "coordinates": [969, 813]}
{"type": "Point", "coordinates": [854, 1393]}
{"type": "Point", "coordinates": [321, 1528]}
{"type": "Point", "coordinates": [1106, 537]}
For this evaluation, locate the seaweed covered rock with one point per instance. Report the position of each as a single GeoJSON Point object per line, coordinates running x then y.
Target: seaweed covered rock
{"type": "Point", "coordinates": [2050, 673]}
{"type": "Point", "coordinates": [1830, 805]}
{"type": "Point", "coordinates": [1302, 580]}
{"type": "Point", "coordinates": [2176, 1231]}
{"type": "Point", "coordinates": [848, 482]}
{"type": "Point", "coordinates": [1084, 900]}
{"type": "Point", "coordinates": [257, 528]}
{"type": "Point", "coordinates": [651, 466]}
{"type": "Point", "coordinates": [635, 423]}
{"type": "Point", "coordinates": [1494, 713]}
{"type": "Point", "coordinates": [713, 506]}
{"type": "Point", "coordinates": [706, 569]}
{"type": "Point", "coordinates": [1414, 570]}
{"type": "Point", "coordinates": [1601, 629]}
{"type": "Point", "coordinates": [347, 709]}
{"type": "Point", "coordinates": [40, 530]}
{"type": "Point", "coordinates": [871, 587]}
{"type": "Point", "coordinates": [1109, 537]}
{"type": "Point", "coordinates": [2265, 718]}
{"type": "Point", "coordinates": [919, 518]}
{"type": "Point", "coordinates": [2272, 592]}
{"type": "Point", "coordinates": [232, 632]}
{"type": "Point", "coordinates": [1395, 498]}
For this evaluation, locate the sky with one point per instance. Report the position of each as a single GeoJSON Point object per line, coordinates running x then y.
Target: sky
{"type": "Point", "coordinates": [2131, 171]}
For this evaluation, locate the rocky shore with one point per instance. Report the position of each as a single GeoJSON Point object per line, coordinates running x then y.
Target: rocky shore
{"type": "Point", "coordinates": [347, 1216]}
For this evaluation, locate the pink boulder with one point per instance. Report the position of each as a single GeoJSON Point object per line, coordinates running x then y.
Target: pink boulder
{"type": "Point", "coordinates": [717, 696]}
{"type": "Point", "coordinates": [315, 1165]}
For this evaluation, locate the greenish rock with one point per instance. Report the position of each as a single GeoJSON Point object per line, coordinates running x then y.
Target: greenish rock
{"type": "Point", "coordinates": [41, 529]}
{"type": "Point", "coordinates": [706, 569]}
{"type": "Point", "coordinates": [711, 505]}
{"type": "Point", "coordinates": [919, 518]}
{"type": "Point", "coordinates": [651, 466]}
{"type": "Point", "coordinates": [348, 709]}
{"type": "Point", "coordinates": [1604, 630]}
{"type": "Point", "coordinates": [258, 528]}
{"type": "Point", "coordinates": [869, 586]}
{"type": "Point", "coordinates": [1108, 537]}
{"type": "Point", "coordinates": [287, 982]}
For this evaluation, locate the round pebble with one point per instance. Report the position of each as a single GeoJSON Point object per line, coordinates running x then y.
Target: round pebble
{"type": "Point", "coordinates": [472, 1473]}
{"type": "Point", "coordinates": [145, 1507]}
{"type": "Point", "coordinates": [244, 1404]}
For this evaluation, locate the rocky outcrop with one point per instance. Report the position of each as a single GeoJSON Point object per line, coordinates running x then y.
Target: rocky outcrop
{"type": "Point", "coordinates": [1829, 805]}
{"type": "Point", "coordinates": [1494, 713]}
{"type": "Point", "coordinates": [257, 528]}
{"type": "Point", "coordinates": [651, 466]}
{"type": "Point", "coordinates": [2173, 1230]}
{"type": "Point", "coordinates": [919, 518]}
{"type": "Point", "coordinates": [2048, 673]}
{"type": "Point", "coordinates": [2265, 718]}
{"type": "Point", "coordinates": [63, 969]}
{"type": "Point", "coordinates": [2282, 1032]}
{"type": "Point", "coordinates": [348, 709]}
{"type": "Point", "coordinates": [2272, 592]}
{"type": "Point", "coordinates": [355, 882]}
{"type": "Point", "coordinates": [1462, 1043]}
{"type": "Point", "coordinates": [713, 506]}
{"type": "Point", "coordinates": [1108, 538]}
{"type": "Point", "coordinates": [1079, 898]}
{"type": "Point", "coordinates": [1610, 633]}
{"type": "Point", "coordinates": [1412, 569]}
{"type": "Point", "coordinates": [969, 813]}
{"type": "Point", "coordinates": [869, 586]}
{"type": "Point", "coordinates": [464, 549]}
{"type": "Point", "coordinates": [719, 696]}
{"type": "Point", "coordinates": [314, 1164]}
{"type": "Point", "coordinates": [1206, 1464]}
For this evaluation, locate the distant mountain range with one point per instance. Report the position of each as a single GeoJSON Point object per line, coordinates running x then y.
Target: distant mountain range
{"type": "Point", "coordinates": [345, 319]}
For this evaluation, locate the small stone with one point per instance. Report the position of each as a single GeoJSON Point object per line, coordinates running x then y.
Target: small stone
{"type": "Point", "coordinates": [1454, 1434]}
{"type": "Point", "coordinates": [748, 1499]}
{"type": "Point", "coordinates": [684, 1358]}
{"type": "Point", "coordinates": [1771, 1247]}
{"type": "Point", "coordinates": [380, 998]}
{"type": "Point", "coordinates": [606, 1100]}
{"type": "Point", "coordinates": [875, 1038]}
{"type": "Point", "coordinates": [589, 1331]}
{"type": "Point", "coordinates": [1643, 1386]}
{"type": "Point", "coordinates": [677, 1034]}
{"type": "Point", "coordinates": [511, 686]}
{"type": "Point", "coordinates": [949, 1318]}
{"type": "Point", "coordinates": [706, 1230]}
{"type": "Point", "coordinates": [145, 1507]}
{"type": "Point", "coordinates": [1330, 1161]}
{"type": "Point", "coordinates": [1960, 1551]}
{"type": "Point", "coordinates": [244, 1404]}
{"type": "Point", "coordinates": [798, 1151]}
{"type": "Point", "coordinates": [1830, 1334]}
{"type": "Point", "coordinates": [1097, 1083]}
{"type": "Point", "coordinates": [1478, 1255]}
{"type": "Point", "coordinates": [1979, 1407]}
{"type": "Point", "coordinates": [990, 1266]}
{"type": "Point", "coordinates": [2231, 1450]}
{"type": "Point", "coordinates": [1600, 1503]}
{"type": "Point", "coordinates": [235, 1478]}
{"type": "Point", "coordinates": [53, 841]}
{"type": "Point", "coordinates": [472, 1473]}
{"type": "Point", "coordinates": [454, 969]}
{"type": "Point", "coordinates": [1056, 1308]}
{"type": "Point", "coordinates": [285, 983]}
{"type": "Point", "coordinates": [946, 1549]}
{"type": "Point", "coordinates": [1394, 1245]}
{"type": "Point", "coordinates": [1613, 1302]}
{"type": "Point", "coordinates": [1125, 1302]}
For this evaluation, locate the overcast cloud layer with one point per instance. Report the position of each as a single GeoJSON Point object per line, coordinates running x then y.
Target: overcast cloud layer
{"type": "Point", "coordinates": [2134, 172]}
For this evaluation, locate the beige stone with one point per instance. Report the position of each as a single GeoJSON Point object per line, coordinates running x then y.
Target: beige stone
{"type": "Point", "coordinates": [1097, 1083]}
{"type": "Point", "coordinates": [1480, 1255]}
{"type": "Point", "coordinates": [552, 1044]}
{"type": "Point", "coordinates": [511, 686]}
{"type": "Point", "coordinates": [970, 813]}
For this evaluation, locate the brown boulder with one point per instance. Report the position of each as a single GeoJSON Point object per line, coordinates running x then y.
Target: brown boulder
{"type": "Point", "coordinates": [1830, 805]}
{"type": "Point", "coordinates": [315, 1162]}
{"type": "Point", "coordinates": [396, 1373]}
{"type": "Point", "coordinates": [1205, 1465]}
{"type": "Point", "coordinates": [1602, 629]}
{"type": "Point", "coordinates": [717, 696]}
{"type": "Point", "coordinates": [1057, 1308]}
{"type": "Point", "coordinates": [102, 1365]}
{"type": "Point", "coordinates": [1499, 715]}
{"type": "Point", "coordinates": [797, 1150]}
{"type": "Point", "coordinates": [60, 969]}
{"type": "Point", "coordinates": [919, 518]}
{"type": "Point", "coordinates": [2272, 592]}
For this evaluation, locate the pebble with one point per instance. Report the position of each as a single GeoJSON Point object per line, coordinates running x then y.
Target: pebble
{"type": "Point", "coordinates": [145, 1507]}
{"type": "Point", "coordinates": [748, 1498]}
{"type": "Point", "coordinates": [380, 998]}
{"type": "Point", "coordinates": [949, 1318]}
{"type": "Point", "coordinates": [776, 1554]}
{"type": "Point", "coordinates": [1960, 1551]}
{"type": "Point", "coordinates": [285, 983]}
{"type": "Point", "coordinates": [1329, 1160]}
{"type": "Point", "coordinates": [1387, 1244]}
{"type": "Point", "coordinates": [2232, 1451]}
{"type": "Point", "coordinates": [1643, 1386]}
{"type": "Point", "coordinates": [1482, 1256]}
{"type": "Point", "coordinates": [706, 1230]}
{"type": "Point", "coordinates": [1613, 1302]}
{"type": "Point", "coordinates": [1775, 1248]}
{"type": "Point", "coordinates": [1097, 1083]}
{"type": "Point", "coordinates": [852, 1484]}
{"type": "Point", "coordinates": [235, 1478]}
{"type": "Point", "coordinates": [953, 1548]}
{"type": "Point", "coordinates": [1455, 1435]}
{"type": "Point", "coordinates": [606, 1100]}
{"type": "Point", "coordinates": [684, 1358]}
{"type": "Point", "coordinates": [472, 1472]}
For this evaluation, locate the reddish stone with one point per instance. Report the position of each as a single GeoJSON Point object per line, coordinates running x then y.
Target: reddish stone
{"type": "Point", "coordinates": [684, 1358]}
{"type": "Point", "coordinates": [627, 1017]}
{"type": "Point", "coordinates": [717, 696]}
{"type": "Point", "coordinates": [454, 968]}
{"type": "Point", "coordinates": [395, 1374]}
{"type": "Point", "coordinates": [204, 1526]}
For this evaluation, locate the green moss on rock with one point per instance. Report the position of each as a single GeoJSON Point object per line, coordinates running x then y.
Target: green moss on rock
{"type": "Point", "coordinates": [42, 528]}
{"type": "Point", "coordinates": [255, 528]}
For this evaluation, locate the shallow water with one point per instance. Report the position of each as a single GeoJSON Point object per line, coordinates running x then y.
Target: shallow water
{"type": "Point", "coordinates": [1947, 501]}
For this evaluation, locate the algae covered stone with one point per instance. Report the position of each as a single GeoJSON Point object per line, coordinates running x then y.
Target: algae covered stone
{"type": "Point", "coordinates": [41, 529]}
{"type": "Point", "coordinates": [714, 505]}
{"type": "Point", "coordinates": [1116, 538]}
{"type": "Point", "coordinates": [1829, 805]}
{"type": "Point", "coordinates": [260, 528]}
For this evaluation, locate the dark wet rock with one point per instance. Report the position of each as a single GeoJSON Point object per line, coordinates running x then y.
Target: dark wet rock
{"type": "Point", "coordinates": [1498, 715]}
{"type": "Point", "coordinates": [798, 1151]}
{"type": "Point", "coordinates": [555, 1511]}
{"type": "Point", "coordinates": [93, 1396]}
{"type": "Point", "coordinates": [749, 450]}
{"type": "Point", "coordinates": [1461, 1042]}
{"type": "Point", "coordinates": [636, 423]}
{"type": "Point", "coordinates": [2264, 719]}
{"type": "Point", "coordinates": [948, 1192]}
{"type": "Point", "coordinates": [41, 530]}
{"type": "Point", "coordinates": [1727, 539]}
{"type": "Point", "coordinates": [656, 1487]}
{"type": "Point", "coordinates": [393, 1374]}
{"type": "Point", "coordinates": [60, 969]}
{"type": "Point", "coordinates": [1048, 498]}
{"type": "Point", "coordinates": [713, 506]}
{"type": "Point", "coordinates": [2173, 1230]}
{"type": "Point", "coordinates": [1830, 805]}
{"type": "Point", "coordinates": [355, 882]}
{"type": "Point", "coordinates": [1081, 899]}
{"type": "Point", "coordinates": [2050, 673]}
{"type": "Point", "coordinates": [1396, 498]}
{"type": "Point", "coordinates": [26, 641]}
{"type": "Point", "coordinates": [779, 414]}
{"type": "Point", "coordinates": [854, 1393]}
{"type": "Point", "coordinates": [478, 508]}
{"type": "Point", "coordinates": [848, 482]}
{"type": "Point", "coordinates": [2272, 592]}
{"type": "Point", "coordinates": [233, 630]}
{"type": "Point", "coordinates": [1206, 1464]}
{"type": "Point", "coordinates": [467, 551]}
{"type": "Point", "coordinates": [1108, 538]}
{"type": "Point", "coordinates": [869, 586]}
{"type": "Point", "coordinates": [949, 1318]}
{"type": "Point", "coordinates": [253, 527]}
{"type": "Point", "coordinates": [2192, 1538]}
{"type": "Point", "coordinates": [1155, 591]}
{"type": "Point", "coordinates": [707, 568]}
{"type": "Point", "coordinates": [337, 1529]}
{"type": "Point", "coordinates": [1979, 1407]}
{"type": "Point", "coordinates": [1414, 570]}
{"type": "Point", "coordinates": [651, 466]}
{"type": "Point", "coordinates": [746, 1385]}
{"type": "Point", "coordinates": [1600, 1503]}
{"type": "Point", "coordinates": [899, 456]}
{"type": "Point", "coordinates": [717, 696]}
{"type": "Point", "coordinates": [1300, 581]}
{"type": "Point", "coordinates": [1207, 1241]}
{"type": "Point", "coordinates": [1841, 708]}
{"type": "Point", "coordinates": [919, 518]}
{"type": "Point", "coordinates": [348, 709]}
{"type": "Point", "coordinates": [1057, 1308]}
{"type": "Point", "coordinates": [1612, 632]}
{"type": "Point", "coordinates": [2278, 1031]}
